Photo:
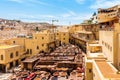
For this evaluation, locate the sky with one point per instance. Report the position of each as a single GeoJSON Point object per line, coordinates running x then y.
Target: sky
{"type": "Point", "coordinates": [66, 12]}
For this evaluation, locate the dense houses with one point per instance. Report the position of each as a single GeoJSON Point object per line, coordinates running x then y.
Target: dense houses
{"type": "Point", "coordinates": [12, 28]}
{"type": "Point", "coordinates": [89, 51]}
{"type": "Point", "coordinates": [43, 41]}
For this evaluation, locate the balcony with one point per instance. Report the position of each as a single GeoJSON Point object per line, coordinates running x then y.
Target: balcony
{"type": "Point", "coordinates": [107, 27]}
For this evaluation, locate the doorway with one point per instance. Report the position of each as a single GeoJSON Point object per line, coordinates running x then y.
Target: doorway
{"type": "Point", "coordinates": [16, 63]}
{"type": "Point", "coordinates": [11, 65]}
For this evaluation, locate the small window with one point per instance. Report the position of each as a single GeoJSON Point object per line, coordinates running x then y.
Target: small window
{"type": "Point", "coordinates": [14, 42]}
{"type": "Point", "coordinates": [37, 47]}
{"type": "Point", "coordinates": [63, 38]}
{"type": "Point", "coordinates": [42, 44]}
{"type": "Point", "coordinates": [57, 34]}
{"type": "Point", "coordinates": [17, 53]}
{"type": "Point", "coordinates": [27, 51]}
{"type": "Point", "coordinates": [35, 37]}
{"type": "Point", "coordinates": [1, 57]}
{"type": "Point", "coordinates": [64, 34]}
{"type": "Point", "coordinates": [119, 64]}
{"type": "Point", "coordinates": [42, 37]}
{"type": "Point", "coordinates": [90, 70]}
{"type": "Point", "coordinates": [110, 48]}
{"type": "Point", "coordinates": [11, 55]}
{"type": "Point", "coordinates": [30, 51]}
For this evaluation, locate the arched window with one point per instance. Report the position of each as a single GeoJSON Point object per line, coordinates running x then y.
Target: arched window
{"type": "Point", "coordinates": [11, 55]}
{"type": "Point", "coordinates": [17, 53]}
{"type": "Point", "coordinates": [42, 37]}
{"type": "Point", "coordinates": [37, 47]}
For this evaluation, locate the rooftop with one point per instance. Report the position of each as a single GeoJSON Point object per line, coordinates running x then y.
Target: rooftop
{"type": "Point", "coordinates": [62, 29]}
{"type": "Point", "coordinates": [96, 56]}
{"type": "Point", "coordinates": [95, 45]}
{"type": "Point", "coordinates": [84, 32]}
{"type": "Point", "coordinates": [7, 46]}
{"type": "Point", "coordinates": [30, 60]}
{"type": "Point", "coordinates": [107, 71]}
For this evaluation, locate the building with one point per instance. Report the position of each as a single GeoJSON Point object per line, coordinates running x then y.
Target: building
{"type": "Point", "coordinates": [102, 59]}
{"type": "Point", "coordinates": [80, 38]}
{"type": "Point", "coordinates": [10, 56]}
{"type": "Point", "coordinates": [96, 65]}
{"type": "Point", "coordinates": [109, 14]}
{"type": "Point", "coordinates": [40, 42]}
{"type": "Point", "coordinates": [103, 70]}
{"type": "Point", "coordinates": [94, 51]}
{"type": "Point", "coordinates": [14, 50]}
{"type": "Point", "coordinates": [62, 35]}
{"type": "Point", "coordinates": [72, 29]}
{"type": "Point", "coordinates": [109, 33]}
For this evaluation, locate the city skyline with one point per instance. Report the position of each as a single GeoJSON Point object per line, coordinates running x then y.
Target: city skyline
{"type": "Point", "coordinates": [66, 11]}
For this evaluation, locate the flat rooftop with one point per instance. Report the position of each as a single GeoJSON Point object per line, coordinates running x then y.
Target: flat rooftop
{"type": "Point", "coordinates": [7, 46]}
{"type": "Point", "coordinates": [84, 32]}
{"type": "Point", "coordinates": [97, 55]}
{"type": "Point", "coordinates": [30, 60]}
{"type": "Point", "coordinates": [95, 45]}
{"type": "Point", "coordinates": [107, 70]}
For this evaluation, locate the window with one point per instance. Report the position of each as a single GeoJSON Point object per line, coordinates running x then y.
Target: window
{"type": "Point", "coordinates": [14, 42]}
{"type": "Point", "coordinates": [102, 42]}
{"type": "Point", "coordinates": [63, 38]}
{"type": "Point", "coordinates": [30, 51]}
{"type": "Point", "coordinates": [64, 34]}
{"type": "Point", "coordinates": [96, 17]}
{"type": "Point", "coordinates": [110, 48]}
{"type": "Point", "coordinates": [90, 70]}
{"type": "Point", "coordinates": [11, 55]}
{"type": "Point", "coordinates": [17, 53]}
{"type": "Point", "coordinates": [37, 47]}
{"type": "Point", "coordinates": [1, 57]}
{"type": "Point", "coordinates": [105, 44]}
{"type": "Point", "coordinates": [42, 37]}
{"type": "Point", "coordinates": [42, 44]}
{"type": "Point", "coordinates": [35, 37]}
{"type": "Point", "coordinates": [119, 64]}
